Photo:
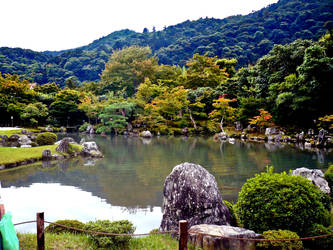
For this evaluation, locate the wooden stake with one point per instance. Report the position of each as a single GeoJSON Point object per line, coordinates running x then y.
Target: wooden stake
{"type": "Point", "coordinates": [40, 231]}
{"type": "Point", "coordinates": [183, 234]}
{"type": "Point", "coordinates": [2, 210]}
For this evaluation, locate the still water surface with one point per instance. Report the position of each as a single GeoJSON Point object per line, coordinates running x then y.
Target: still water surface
{"type": "Point", "coordinates": [128, 182]}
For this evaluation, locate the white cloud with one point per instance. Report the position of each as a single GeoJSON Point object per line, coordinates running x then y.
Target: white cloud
{"type": "Point", "coordinates": [63, 24]}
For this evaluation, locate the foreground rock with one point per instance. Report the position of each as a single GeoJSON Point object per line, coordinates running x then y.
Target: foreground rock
{"type": "Point", "coordinates": [90, 149]}
{"type": "Point", "coordinates": [198, 236]}
{"type": "Point", "coordinates": [316, 176]}
{"type": "Point", "coordinates": [191, 193]}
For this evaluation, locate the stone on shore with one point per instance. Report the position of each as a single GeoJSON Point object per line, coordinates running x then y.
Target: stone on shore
{"type": "Point", "coordinates": [316, 176]}
{"type": "Point", "coordinates": [191, 193]}
{"type": "Point", "coordinates": [24, 140]}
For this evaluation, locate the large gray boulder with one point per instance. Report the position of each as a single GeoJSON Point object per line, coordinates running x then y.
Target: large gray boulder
{"type": "Point", "coordinates": [191, 193]}
{"type": "Point", "coordinates": [316, 176]}
{"type": "Point", "coordinates": [211, 237]}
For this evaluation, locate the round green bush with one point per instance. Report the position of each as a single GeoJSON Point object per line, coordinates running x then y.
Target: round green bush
{"type": "Point", "coordinates": [281, 245]}
{"type": "Point", "coordinates": [319, 243]}
{"type": "Point", "coordinates": [46, 138]}
{"type": "Point", "coordinates": [272, 201]}
{"type": "Point", "coordinates": [329, 177]}
{"type": "Point", "coordinates": [70, 223]}
{"type": "Point", "coordinates": [119, 227]}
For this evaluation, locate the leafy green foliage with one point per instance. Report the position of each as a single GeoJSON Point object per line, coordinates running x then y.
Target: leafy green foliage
{"type": "Point", "coordinates": [246, 38]}
{"type": "Point", "coordinates": [329, 177]}
{"type": "Point", "coordinates": [114, 116]}
{"type": "Point", "coordinates": [46, 138]}
{"type": "Point", "coordinates": [283, 245]}
{"type": "Point", "coordinates": [321, 243]}
{"type": "Point", "coordinates": [233, 215]}
{"type": "Point", "coordinates": [126, 69]}
{"type": "Point", "coordinates": [52, 228]}
{"type": "Point", "coordinates": [118, 227]}
{"type": "Point", "coordinates": [271, 201]}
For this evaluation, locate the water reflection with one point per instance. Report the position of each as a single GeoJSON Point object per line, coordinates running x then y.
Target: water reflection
{"type": "Point", "coordinates": [131, 175]}
{"type": "Point", "coordinates": [60, 202]}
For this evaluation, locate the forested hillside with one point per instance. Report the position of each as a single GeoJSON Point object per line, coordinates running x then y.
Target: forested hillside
{"type": "Point", "coordinates": [246, 38]}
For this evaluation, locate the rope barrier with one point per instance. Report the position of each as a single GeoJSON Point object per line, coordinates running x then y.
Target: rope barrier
{"type": "Point", "coordinates": [263, 240]}
{"type": "Point", "coordinates": [175, 231]}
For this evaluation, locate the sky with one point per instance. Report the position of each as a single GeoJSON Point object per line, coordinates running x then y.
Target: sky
{"type": "Point", "coordinates": [64, 24]}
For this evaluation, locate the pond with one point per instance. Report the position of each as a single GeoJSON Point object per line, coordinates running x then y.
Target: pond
{"type": "Point", "coordinates": [128, 182]}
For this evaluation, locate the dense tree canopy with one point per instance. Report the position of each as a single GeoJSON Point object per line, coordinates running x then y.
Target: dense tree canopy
{"type": "Point", "coordinates": [245, 38]}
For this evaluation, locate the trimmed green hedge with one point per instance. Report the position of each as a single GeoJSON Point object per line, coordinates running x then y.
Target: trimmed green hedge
{"type": "Point", "coordinates": [272, 201]}
{"type": "Point", "coordinates": [119, 227]}
{"type": "Point", "coordinates": [46, 138]}
{"type": "Point", "coordinates": [283, 245]}
{"type": "Point", "coordinates": [70, 223]}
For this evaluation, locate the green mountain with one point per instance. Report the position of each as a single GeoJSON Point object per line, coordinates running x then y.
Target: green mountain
{"type": "Point", "coordinates": [246, 38]}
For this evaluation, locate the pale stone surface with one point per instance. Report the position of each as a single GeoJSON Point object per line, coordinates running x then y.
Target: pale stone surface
{"type": "Point", "coordinates": [49, 129]}
{"type": "Point", "coordinates": [191, 193]}
{"type": "Point", "coordinates": [90, 149]}
{"type": "Point", "coordinates": [24, 140]}
{"type": "Point", "coordinates": [221, 136]}
{"type": "Point", "coordinates": [69, 139]}
{"type": "Point", "coordinates": [316, 176]}
{"type": "Point", "coordinates": [209, 237]}
{"type": "Point", "coordinates": [146, 134]}
{"type": "Point", "coordinates": [270, 131]}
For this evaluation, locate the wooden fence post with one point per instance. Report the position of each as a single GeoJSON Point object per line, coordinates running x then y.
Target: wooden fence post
{"type": "Point", "coordinates": [183, 234]}
{"type": "Point", "coordinates": [40, 231]}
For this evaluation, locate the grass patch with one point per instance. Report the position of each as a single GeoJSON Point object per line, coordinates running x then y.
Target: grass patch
{"type": "Point", "coordinates": [13, 155]}
{"type": "Point", "coordinates": [79, 241]}
{"type": "Point", "coordinates": [10, 132]}
{"type": "Point", "coordinates": [18, 131]}
{"type": "Point", "coordinates": [56, 241]}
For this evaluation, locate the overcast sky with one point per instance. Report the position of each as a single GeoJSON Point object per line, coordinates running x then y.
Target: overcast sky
{"type": "Point", "coordinates": [63, 24]}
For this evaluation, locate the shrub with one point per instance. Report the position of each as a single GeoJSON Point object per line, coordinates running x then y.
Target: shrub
{"type": "Point", "coordinates": [320, 243]}
{"type": "Point", "coordinates": [282, 245]}
{"type": "Point", "coordinates": [70, 223]}
{"type": "Point", "coordinates": [84, 127]}
{"type": "Point", "coordinates": [46, 138]}
{"type": "Point", "coordinates": [234, 219]}
{"type": "Point", "coordinates": [272, 201]}
{"type": "Point", "coordinates": [122, 226]}
{"type": "Point", "coordinates": [329, 177]}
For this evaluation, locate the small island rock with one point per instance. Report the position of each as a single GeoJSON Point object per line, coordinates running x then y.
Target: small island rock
{"type": "Point", "coordinates": [146, 134]}
{"type": "Point", "coordinates": [90, 149]}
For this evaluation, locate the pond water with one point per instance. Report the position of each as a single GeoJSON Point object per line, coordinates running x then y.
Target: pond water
{"type": "Point", "coordinates": [128, 182]}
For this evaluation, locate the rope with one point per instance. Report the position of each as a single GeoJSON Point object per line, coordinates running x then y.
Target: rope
{"type": "Point", "coordinates": [175, 231]}
{"type": "Point", "coordinates": [108, 234]}
{"type": "Point", "coordinates": [261, 240]}
{"type": "Point", "coordinates": [25, 222]}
